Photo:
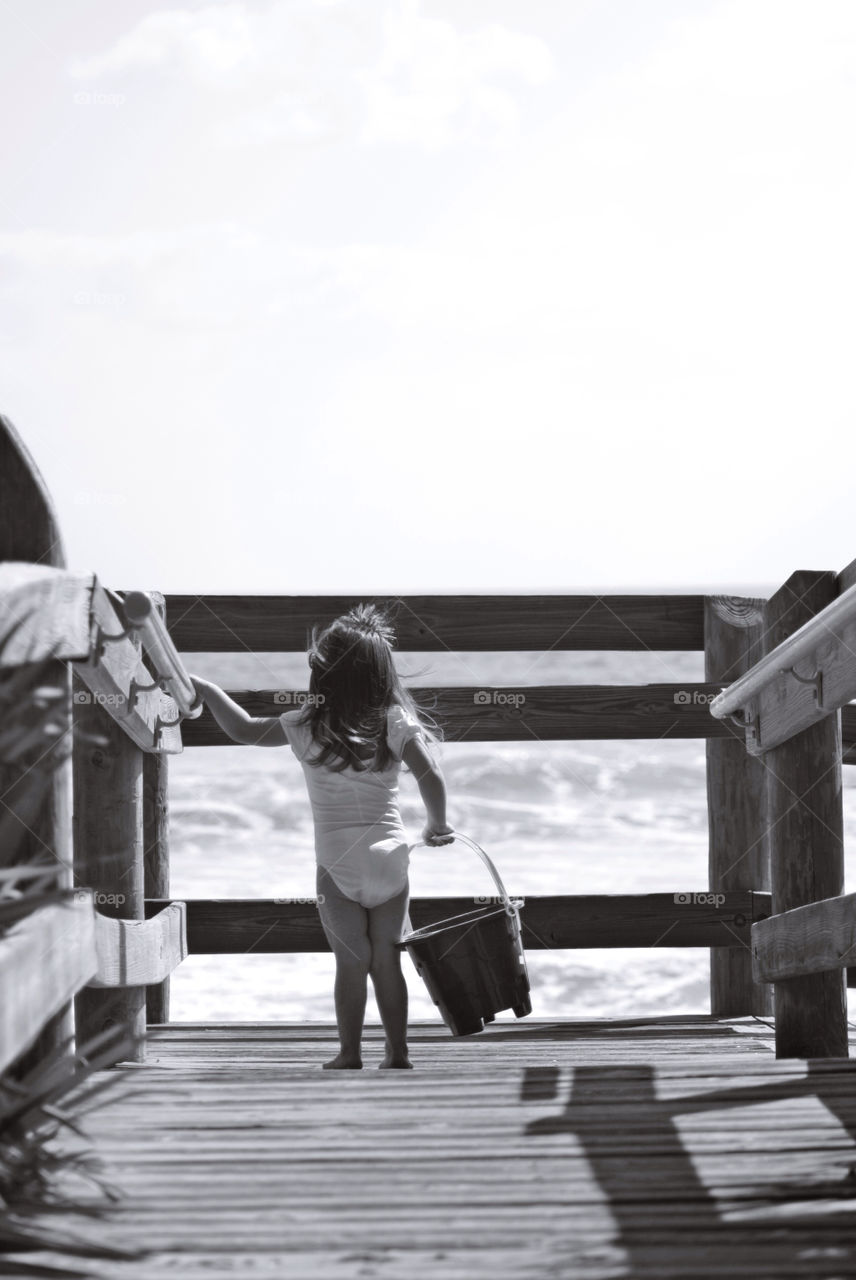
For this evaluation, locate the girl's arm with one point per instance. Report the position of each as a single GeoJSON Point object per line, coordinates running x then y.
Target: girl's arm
{"type": "Point", "coordinates": [432, 788]}
{"type": "Point", "coordinates": [257, 731]}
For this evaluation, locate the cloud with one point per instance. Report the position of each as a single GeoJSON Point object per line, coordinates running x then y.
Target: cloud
{"type": "Point", "coordinates": [376, 71]}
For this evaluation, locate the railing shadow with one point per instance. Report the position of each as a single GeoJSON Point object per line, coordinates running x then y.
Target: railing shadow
{"type": "Point", "coordinates": [654, 1166]}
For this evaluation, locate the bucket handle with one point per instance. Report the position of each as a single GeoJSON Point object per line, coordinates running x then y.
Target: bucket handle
{"type": "Point", "coordinates": [511, 904]}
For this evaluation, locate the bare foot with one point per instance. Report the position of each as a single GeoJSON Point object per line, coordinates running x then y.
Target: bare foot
{"type": "Point", "coordinates": [391, 1061]}
{"type": "Point", "coordinates": [342, 1061]}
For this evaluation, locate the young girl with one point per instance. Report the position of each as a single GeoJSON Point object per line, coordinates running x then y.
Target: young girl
{"type": "Point", "coordinates": [357, 727]}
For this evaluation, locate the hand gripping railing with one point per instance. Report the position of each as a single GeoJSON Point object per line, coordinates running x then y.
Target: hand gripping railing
{"type": "Point", "coordinates": [143, 617]}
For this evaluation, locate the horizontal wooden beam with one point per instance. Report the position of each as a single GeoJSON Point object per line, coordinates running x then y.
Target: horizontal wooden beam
{"type": "Point", "coordinates": [811, 674]}
{"type": "Point", "coordinates": [263, 925]}
{"type": "Point", "coordinates": [44, 613]}
{"type": "Point", "coordinates": [44, 960]}
{"type": "Point", "coordinates": [816, 938]}
{"type": "Point", "coordinates": [281, 624]}
{"type": "Point", "coordinates": [137, 953]}
{"type": "Point", "coordinates": [108, 674]}
{"type": "Point", "coordinates": [487, 714]}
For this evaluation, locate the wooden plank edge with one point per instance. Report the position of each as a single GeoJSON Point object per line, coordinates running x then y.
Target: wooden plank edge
{"type": "Point", "coordinates": [138, 953]}
{"type": "Point", "coordinates": [816, 938]}
{"type": "Point", "coordinates": [44, 960]}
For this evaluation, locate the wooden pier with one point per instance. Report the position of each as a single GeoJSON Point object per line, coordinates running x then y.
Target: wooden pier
{"type": "Point", "coordinates": [717, 1145]}
{"type": "Point", "coordinates": [669, 1148]}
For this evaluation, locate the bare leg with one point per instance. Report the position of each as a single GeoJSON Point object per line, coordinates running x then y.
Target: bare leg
{"type": "Point", "coordinates": [387, 922]}
{"type": "Point", "coordinates": [345, 925]}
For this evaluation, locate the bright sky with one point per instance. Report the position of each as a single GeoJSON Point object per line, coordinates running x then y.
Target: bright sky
{"type": "Point", "coordinates": [380, 296]}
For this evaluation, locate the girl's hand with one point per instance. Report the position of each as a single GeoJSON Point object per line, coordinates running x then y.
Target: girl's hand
{"type": "Point", "coordinates": [443, 834]}
{"type": "Point", "coordinates": [199, 686]}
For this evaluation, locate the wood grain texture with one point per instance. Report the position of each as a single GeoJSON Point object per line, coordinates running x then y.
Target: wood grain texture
{"type": "Point", "coordinates": [137, 953]}
{"type": "Point", "coordinates": [806, 836]}
{"type": "Point", "coordinates": [675, 1147]}
{"type": "Point", "coordinates": [846, 578]}
{"type": "Point", "coordinates": [811, 939]}
{"type": "Point", "coordinates": [156, 846]}
{"type": "Point", "coordinates": [108, 851]}
{"type": "Point", "coordinates": [739, 847]}
{"type": "Point", "coordinates": [45, 612]}
{"type": "Point", "coordinates": [44, 960]}
{"type": "Point", "coordinates": [237, 926]}
{"type": "Point", "coordinates": [106, 679]}
{"type": "Point", "coordinates": [30, 532]}
{"type": "Point", "coordinates": [282, 624]}
{"type": "Point", "coordinates": [541, 712]}
{"type": "Point", "coordinates": [787, 705]}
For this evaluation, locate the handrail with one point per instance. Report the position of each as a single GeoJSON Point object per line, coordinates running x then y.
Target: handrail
{"type": "Point", "coordinates": [786, 655]}
{"type": "Point", "coordinates": [141, 614]}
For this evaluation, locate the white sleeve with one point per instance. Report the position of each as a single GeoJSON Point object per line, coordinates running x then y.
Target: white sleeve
{"type": "Point", "coordinates": [293, 731]}
{"type": "Point", "coordinates": [401, 726]}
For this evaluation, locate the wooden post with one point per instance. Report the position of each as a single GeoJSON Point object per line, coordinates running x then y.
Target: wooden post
{"type": "Point", "coordinates": [29, 531]}
{"type": "Point", "coordinates": [806, 836]}
{"type": "Point", "coordinates": [739, 847]}
{"type": "Point", "coordinates": [156, 847]}
{"type": "Point", "coordinates": [108, 852]}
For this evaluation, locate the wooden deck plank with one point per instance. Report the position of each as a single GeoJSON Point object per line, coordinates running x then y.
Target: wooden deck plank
{"type": "Point", "coordinates": [675, 1148]}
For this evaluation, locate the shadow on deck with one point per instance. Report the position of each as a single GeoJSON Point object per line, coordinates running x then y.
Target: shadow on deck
{"type": "Point", "coordinates": [675, 1147]}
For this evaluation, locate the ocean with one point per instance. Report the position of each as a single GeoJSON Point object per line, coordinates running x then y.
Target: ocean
{"type": "Point", "coordinates": [555, 817]}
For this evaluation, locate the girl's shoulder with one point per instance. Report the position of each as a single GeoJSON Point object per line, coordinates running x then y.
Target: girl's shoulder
{"type": "Point", "coordinates": [296, 729]}
{"type": "Point", "coordinates": [293, 716]}
{"type": "Point", "coordinates": [401, 726]}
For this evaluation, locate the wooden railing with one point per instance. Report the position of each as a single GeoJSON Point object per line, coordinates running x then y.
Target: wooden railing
{"type": "Point", "coordinates": [93, 936]}
{"type": "Point", "coordinates": [126, 931]}
{"type": "Point", "coordinates": [791, 720]}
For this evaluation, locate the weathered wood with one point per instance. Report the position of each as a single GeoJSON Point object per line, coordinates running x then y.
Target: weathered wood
{"type": "Point", "coordinates": [846, 578]}
{"type": "Point", "coordinates": [806, 836]}
{"type": "Point", "coordinates": [811, 673]}
{"type": "Point", "coordinates": [137, 953]}
{"type": "Point", "coordinates": [108, 853]}
{"type": "Point", "coordinates": [144, 613]}
{"type": "Point", "coordinates": [46, 613]}
{"type": "Point", "coordinates": [739, 850]}
{"type": "Point", "coordinates": [674, 1149]}
{"type": "Point", "coordinates": [848, 735]}
{"type": "Point", "coordinates": [108, 675]}
{"type": "Point", "coordinates": [811, 939]}
{"type": "Point", "coordinates": [546, 712]}
{"type": "Point", "coordinates": [156, 846]}
{"type": "Point", "coordinates": [282, 624]}
{"type": "Point", "coordinates": [260, 925]}
{"type": "Point", "coordinates": [30, 532]}
{"type": "Point", "coordinates": [44, 960]}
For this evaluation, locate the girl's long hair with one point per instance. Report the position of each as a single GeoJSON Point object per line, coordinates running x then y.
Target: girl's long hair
{"type": "Point", "coordinates": [352, 685]}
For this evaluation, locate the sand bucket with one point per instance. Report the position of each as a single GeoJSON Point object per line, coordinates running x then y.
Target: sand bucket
{"type": "Point", "coordinates": [473, 964]}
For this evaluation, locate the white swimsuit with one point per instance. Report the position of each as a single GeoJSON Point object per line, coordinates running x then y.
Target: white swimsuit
{"type": "Point", "coordinates": [359, 837]}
